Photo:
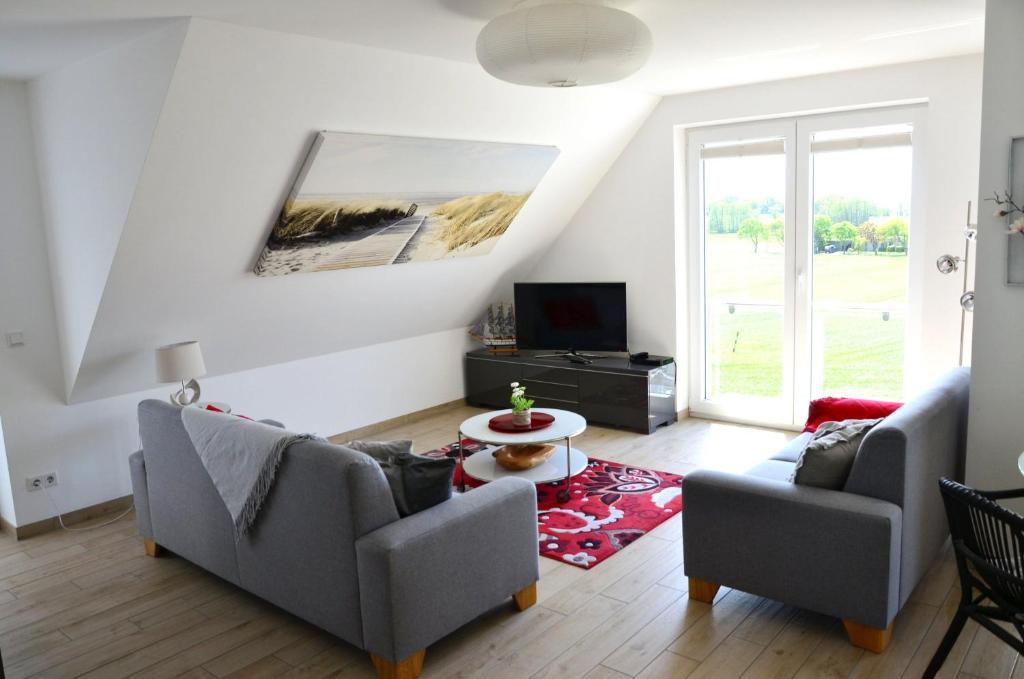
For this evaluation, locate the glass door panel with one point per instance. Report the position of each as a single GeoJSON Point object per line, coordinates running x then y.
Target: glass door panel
{"type": "Point", "coordinates": [860, 197]}
{"type": "Point", "coordinates": [744, 223]}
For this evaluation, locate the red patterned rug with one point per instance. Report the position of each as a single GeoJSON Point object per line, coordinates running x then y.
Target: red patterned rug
{"type": "Point", "coordinates": [611, 506]}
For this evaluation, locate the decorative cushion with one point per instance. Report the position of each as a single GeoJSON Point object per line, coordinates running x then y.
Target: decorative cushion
{"type": "Point", "coordinates": [417, 482]}
{"type": "Point", "coordinates": [829, 455]}
{"type": "Point", "coordinates": [833, 409]}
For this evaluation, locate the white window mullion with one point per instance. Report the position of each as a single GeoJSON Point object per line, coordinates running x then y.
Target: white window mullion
{"type": "Point", "coordinates": [802, 272]}
{"type": "Point", "coordinates": [792, 285]}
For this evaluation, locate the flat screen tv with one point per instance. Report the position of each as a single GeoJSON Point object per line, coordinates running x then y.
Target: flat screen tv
{"type": "Point", "coordinates": [576, 316]}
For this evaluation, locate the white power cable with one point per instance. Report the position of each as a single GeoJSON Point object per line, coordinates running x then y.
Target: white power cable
{"type": "Point", "coordinates": [60, 518]}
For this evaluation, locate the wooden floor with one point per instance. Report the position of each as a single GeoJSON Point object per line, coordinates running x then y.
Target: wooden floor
{"type": "Point", "coordinates": [91, 604]}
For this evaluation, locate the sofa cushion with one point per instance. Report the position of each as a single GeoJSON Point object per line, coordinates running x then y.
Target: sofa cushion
{"type": "Point", "coordinates": [792, 450]}
{"type": "Point", "coordinates": [417, 482]}
{"type": "Point", "coordinates": [775, 470]}
{"type": "Point", "coordinates": [829, 455]}
{"type": "Point", "coordinates": [833, 409]}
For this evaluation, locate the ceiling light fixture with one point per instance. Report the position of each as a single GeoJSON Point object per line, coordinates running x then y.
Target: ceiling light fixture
{"type": "Point", "coordinates": [563, 44]}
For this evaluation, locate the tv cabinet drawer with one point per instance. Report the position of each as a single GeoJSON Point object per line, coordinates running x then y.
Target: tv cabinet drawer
{"type": "Point", "coordinates": [614, 400]}
{"type": "Point", "coordinates": [487, 382]}
{"type": "Point", "coordinates": [543, 373]}
{"type": "Point", "coordinates": [543, 390]}
{"type": "Point", "coordinates": [572, 406]}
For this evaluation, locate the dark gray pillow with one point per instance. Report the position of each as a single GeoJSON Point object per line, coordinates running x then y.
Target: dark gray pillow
{"type": "Point", "coordinates": [828, 456]}
{"type": "Point", "coordinates": [417, 483]}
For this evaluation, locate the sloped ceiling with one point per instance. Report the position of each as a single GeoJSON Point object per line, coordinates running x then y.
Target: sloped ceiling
{"type": "Point", "coordinates": [32, 46]}
{"type": "Point", "coordinates": [699, 44]}
{"type": "Point", "coordinates": [93, 123]}
{"type": "Point", "coordinates": [240, 112]}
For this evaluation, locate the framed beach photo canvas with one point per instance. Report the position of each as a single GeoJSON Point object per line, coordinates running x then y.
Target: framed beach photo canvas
{"type": "Point", "coordinates": [377, 200]}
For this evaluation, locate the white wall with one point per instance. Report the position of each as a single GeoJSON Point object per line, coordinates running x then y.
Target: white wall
{"type": "Point", "coordinates": [628, 230]}
{"type": "Point", "coordinates": [94, 121]}
{"type": "Point", "coordinates": [996, 428]}
{"type": "Point", "coordinates": [29, 374]}
{"type": "Point", "coordinates": [87, 444]}
{"type": "Point", "coordinates": [324, 352]}
{"type": "Point", "coordinates": [6, 497]}
{"type": "Point", "coordinates": [240, 113]}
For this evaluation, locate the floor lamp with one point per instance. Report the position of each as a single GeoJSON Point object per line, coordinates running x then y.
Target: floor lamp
{"type": "Point", "coordinates": [947, 264]}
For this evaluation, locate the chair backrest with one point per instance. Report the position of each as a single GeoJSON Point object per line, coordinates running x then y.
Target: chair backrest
{"type": "Point", "coordinates": [991, 538]}
{"type": "Point", "coordinates": [902, 459]}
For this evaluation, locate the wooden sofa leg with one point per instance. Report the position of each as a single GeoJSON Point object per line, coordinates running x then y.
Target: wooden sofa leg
{"type": "Point", "coordinates": [869, 638]}
{"type": "Point", "coordinates": [152, 549]}
{"type": "Point", "coordinates": [525, 597]}
{"type": "Point", "coordinates": [410, 668]}
{"type": "Point", "coordinates": [702, 590]}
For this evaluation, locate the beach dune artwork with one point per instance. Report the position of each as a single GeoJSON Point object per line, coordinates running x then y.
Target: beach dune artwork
{"type": "Point", "coordinates": [375, 200]}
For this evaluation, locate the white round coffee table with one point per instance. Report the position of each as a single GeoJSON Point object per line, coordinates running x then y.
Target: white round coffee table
{"type": "Point", "coordinates": [484, 467]}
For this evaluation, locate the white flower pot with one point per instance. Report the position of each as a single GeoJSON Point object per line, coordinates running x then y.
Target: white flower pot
{"type": "Point", "coordinates": [521, 419]}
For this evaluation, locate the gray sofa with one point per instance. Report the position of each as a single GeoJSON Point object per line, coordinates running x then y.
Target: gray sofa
{"type": "Point", "coordinates": [855, 554]}
{"type": "Point", "coordinates": [329, 546]}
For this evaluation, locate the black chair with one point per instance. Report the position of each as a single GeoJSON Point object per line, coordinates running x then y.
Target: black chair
{"type": "Point", "coordinates": [988, 541]}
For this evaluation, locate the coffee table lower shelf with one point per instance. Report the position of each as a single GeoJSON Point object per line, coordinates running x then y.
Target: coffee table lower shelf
{"type": "Point", "coordinates": [483, 467]}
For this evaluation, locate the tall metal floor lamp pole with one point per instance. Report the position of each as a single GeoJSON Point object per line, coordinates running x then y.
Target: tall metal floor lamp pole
{"type": "Point", "coordinates": [947, 264]}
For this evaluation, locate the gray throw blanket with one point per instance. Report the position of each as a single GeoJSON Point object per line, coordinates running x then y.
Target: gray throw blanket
{"type": "Point", "coordinates": [241, 457]}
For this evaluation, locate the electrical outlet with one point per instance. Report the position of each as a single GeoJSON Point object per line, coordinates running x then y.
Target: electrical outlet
{"type": "Point", "coordinates": [48, 480]}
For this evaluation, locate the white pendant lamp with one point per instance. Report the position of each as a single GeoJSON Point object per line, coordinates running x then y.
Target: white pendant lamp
{"type": "Point", "coordinates": [563, 44]}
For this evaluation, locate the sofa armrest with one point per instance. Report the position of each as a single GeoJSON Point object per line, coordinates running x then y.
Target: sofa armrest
{"type": "Point", "coordinates": [426, 575]}
{"type": "Point", "coordinates": [828, 551]}
{"type": "Point", "coordinates": [140, 491]}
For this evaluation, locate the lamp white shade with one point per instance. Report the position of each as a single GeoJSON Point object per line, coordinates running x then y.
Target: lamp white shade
{"type": "Point", "coordinates": [563, 45]}
{"type": "Point", "coordinates": [179, 362]}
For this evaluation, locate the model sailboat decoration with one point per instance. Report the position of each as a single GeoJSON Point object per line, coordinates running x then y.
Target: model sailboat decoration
{"type": "Point", "coordinates": [497, 329]}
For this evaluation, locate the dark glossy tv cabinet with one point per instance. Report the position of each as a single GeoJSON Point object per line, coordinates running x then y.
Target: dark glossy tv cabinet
{"type": "Point", "coordinates": [610, 391]}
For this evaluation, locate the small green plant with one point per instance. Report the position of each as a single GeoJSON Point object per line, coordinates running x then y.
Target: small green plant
{"type": "Point", "coordinates": [518, 400]}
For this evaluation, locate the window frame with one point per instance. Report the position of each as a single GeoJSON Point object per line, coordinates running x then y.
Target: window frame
{"type": "Point", "coordinates": [797, 131]}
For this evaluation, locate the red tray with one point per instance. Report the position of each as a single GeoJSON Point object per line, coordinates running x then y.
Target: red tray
{"type": "Point", "coordinates": [504, 423]}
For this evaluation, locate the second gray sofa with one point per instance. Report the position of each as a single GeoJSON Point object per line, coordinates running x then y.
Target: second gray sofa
{"type": "Point", "coordinates": [855, 554]}
{"type": "Point", "coordinates": [329, 546]}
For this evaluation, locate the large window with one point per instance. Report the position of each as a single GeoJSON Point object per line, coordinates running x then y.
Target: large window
{"type": "Point", "coordinates": [800, 241]}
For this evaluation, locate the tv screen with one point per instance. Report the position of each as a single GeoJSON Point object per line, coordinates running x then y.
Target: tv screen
{"type": "Point", "coordinates": [561, 316]}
